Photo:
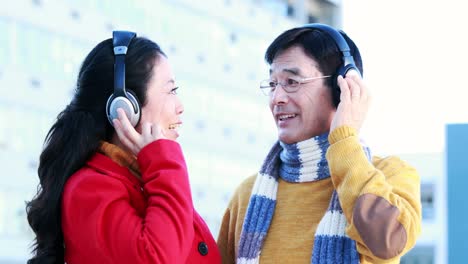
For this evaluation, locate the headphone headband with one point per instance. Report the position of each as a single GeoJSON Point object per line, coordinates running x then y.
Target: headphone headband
{"type": "Point", "coordinates": [121, 98]}
{"type": "Point", "coordinates": [347, 57]}
{"type": "Point", "coordinates": [338, 39]}
{"type": "Point", "coordinates": [121, 40]}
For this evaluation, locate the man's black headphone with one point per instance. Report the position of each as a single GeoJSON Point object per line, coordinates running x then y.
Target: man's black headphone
{"type": "Point", "coordinates": [347, 57]}
{"type": "Point", "coordinates": [122, 98]}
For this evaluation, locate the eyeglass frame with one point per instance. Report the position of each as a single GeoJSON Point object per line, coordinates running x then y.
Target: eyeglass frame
{"type": "Point", "coordinates": [288, 90]}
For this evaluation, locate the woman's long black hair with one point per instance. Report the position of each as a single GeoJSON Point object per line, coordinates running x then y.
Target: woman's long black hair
{"type": "Point", "coordinates": [76, 134]}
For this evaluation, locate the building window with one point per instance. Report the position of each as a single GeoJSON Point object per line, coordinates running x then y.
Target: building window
{"type": "Point", "coordinates": [37, 2]}
{"type": "Point", "coordinates": [109, 26]}
{"type": "Point", "coordinates": [227, 67]}
{"type": "Point", "coordinates": [200, 58]}
{"type": "Point", "coordinates": [290, 10]}
{"type": "Point", "coordinates": [35, 83]}
{"type": "Point", "coordinates": [33, 165]}
{"type": "Point", "coordinates": [419, 255]}
{"type": "Point", "coordinates": [200, 124]}
{"type": "Point", "coordinates": [251, 138]}
{"type": "Point", "coordinates": [251, 76]}
{"type": "Point", "coordinates": [172, 49]}
{"type": "Point", "coordinates": [233, 37]}
{"type": "Point", "coordinates": [312, 19]}
{"type": "Point", "coordinates": [427, 201]}
{"type": "Point", "coordinates": [75, 15]}
{"type": "Point", "coordinates": [227, 132]}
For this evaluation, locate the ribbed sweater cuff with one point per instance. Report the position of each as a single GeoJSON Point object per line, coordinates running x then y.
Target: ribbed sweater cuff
{"type": "Point", "coordinates": [340, 133]}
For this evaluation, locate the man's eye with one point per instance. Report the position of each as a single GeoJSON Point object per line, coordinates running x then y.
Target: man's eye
{"type": "Point", "coordinates": [272, 85]}
{"type": "Point", "coordinates": [292, 82]}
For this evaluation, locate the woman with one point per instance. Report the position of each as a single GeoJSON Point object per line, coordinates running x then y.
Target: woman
{"type": "Point", "coordinates": [118, 195]}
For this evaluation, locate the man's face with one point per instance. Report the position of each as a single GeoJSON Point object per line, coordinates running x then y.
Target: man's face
{"type": "Point", "coordinates": [307, 112]}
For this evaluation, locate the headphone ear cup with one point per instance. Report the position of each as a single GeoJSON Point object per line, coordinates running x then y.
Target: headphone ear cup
{"type": "Point", "coordinates": [134, 100]}
{"type": "Point", "coordinates": [336, 91]}
{"type": "Point", "coordinates": [133, 114]}
{"type": "Point", "coordinates": [110, 115]}
{"type": "Point", "coordinates": [136, 105]}
{"type": "Point", "coordinates": [345, 69]}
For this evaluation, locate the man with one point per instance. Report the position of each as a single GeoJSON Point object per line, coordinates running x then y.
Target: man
{"type": "Point", "coordinates": [320, 197]}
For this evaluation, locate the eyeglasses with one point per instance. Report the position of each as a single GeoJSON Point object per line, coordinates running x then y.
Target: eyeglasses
{"type": "Point", "coordinates": [291, 85]}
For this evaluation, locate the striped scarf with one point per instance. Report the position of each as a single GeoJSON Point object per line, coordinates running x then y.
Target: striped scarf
{"type": "Point", "coordinates": [301, 162]}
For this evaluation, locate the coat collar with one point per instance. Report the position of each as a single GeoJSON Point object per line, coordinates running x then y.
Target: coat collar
{"type": "Point", "coordinates": [106, 165]}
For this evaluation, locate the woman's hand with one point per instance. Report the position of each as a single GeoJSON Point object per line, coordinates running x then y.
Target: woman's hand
{"type": "Point", "coordinates": [133, 140]}
{"type": "Point", "coordinates": [354, 103]}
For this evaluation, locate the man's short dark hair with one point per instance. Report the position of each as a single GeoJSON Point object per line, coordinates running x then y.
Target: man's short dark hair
{"type": "Point", "coordinates": [319, 46]}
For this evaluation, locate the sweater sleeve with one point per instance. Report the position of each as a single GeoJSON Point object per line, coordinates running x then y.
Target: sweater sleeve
{"type": "Point", "coordinates": [163, 234]}
{"type": "Point", "coordinates": [233, 219]}
{"type": "Point", "coordinates": [380, 199]}
{"type": "Point", "coordinates": [226, 239]}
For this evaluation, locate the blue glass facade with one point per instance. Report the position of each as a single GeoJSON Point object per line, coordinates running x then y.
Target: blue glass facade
{"type": "Point", "coordinates": [457, 182]}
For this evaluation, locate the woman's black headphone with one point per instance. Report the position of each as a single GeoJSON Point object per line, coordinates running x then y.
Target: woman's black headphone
{"type": "Point", "coordinates": [347, 58]}
{"type": "Point", "coordinates": [122, 98]}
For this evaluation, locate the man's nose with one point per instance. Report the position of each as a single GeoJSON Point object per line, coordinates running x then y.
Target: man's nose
{"type": "Point", "coordinates": [279, 95]}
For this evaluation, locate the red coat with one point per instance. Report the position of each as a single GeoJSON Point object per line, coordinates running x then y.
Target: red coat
{"type": "Point", "coordinates": [108, 216]}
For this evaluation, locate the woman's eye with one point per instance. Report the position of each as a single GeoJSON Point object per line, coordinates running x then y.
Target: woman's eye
{"type": "Point", "coordinates": [174, 90]}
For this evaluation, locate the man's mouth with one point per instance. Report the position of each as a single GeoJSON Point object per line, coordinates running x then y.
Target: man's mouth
{"type": "Point", "coordinates": [286, 116]}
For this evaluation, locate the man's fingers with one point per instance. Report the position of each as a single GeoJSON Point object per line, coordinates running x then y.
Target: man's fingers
{"type": "Point", "coordinates": [354, 88]}
{"type": "Point", "coordinates": [364, 91]}
{"type": "Point", "coordinates": [345, 94]}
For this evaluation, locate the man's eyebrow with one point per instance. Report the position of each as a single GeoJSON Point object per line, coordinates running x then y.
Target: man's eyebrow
{"type": "Point", "coordinates": [294, 71]}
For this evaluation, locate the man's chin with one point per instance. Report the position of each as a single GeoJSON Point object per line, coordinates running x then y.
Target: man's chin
{"type": "Point", "coordinates": [287, 138]}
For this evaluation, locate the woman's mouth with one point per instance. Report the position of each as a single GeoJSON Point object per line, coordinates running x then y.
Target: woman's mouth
{"type": "Point", "coordinates": [175, 126]}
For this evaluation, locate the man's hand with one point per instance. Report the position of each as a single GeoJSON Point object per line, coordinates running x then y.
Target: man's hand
{"type": "Point", "coordinates": [133, 140]}
{"type": "Point", "coordinates": [354, 103]}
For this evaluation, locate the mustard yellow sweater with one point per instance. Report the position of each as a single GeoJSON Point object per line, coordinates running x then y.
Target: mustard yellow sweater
{"type": "Point", "coordinates": [381, 202]}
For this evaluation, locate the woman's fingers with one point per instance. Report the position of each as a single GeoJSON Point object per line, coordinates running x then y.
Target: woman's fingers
{"type": "Point", "coordinates": [128, 130]}
{"type": "Point", "coordinates": [133, 140]}
{"type": "Point", "coordinates": [122, 137]}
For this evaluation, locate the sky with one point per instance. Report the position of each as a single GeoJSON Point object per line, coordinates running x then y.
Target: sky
{"type": "Point", "coordinates": [414, 55]}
